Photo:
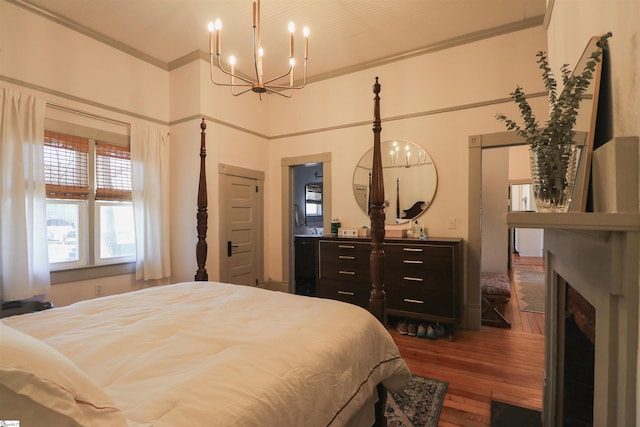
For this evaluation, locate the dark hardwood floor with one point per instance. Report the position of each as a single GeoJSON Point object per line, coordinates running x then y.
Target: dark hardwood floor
{"type": "Point", "coordinates": [493, 363]}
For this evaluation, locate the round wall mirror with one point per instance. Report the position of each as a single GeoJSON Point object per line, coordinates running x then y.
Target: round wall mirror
{"type": "Point", "coordinates": [410, 180]}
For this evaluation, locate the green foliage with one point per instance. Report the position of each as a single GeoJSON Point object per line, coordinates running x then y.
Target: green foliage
{"type": "Point", "coordinates": [563, 107]}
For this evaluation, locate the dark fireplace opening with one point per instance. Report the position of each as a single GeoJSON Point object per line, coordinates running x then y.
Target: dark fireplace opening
{"type": "Point", "coordinates": [579, 360]}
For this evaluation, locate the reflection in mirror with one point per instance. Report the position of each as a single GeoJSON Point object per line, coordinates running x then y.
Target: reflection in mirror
{"type": "Point", "coordinates": [522, 198]}
{"type": "Point", "coordinates": [313, 200]}
{"type": "Point", "coordinates": [410, 179]}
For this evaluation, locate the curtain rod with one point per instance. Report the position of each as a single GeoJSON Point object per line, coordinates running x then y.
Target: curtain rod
{"type": "Point", "coordinates": [86, 114]}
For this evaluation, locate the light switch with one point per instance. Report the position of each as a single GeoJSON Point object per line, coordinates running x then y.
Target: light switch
{"type": "Point", "coordinates": [452, 222]}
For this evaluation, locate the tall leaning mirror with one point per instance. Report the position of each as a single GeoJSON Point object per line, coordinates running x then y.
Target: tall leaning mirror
{"type": "Point", "coordinates": [410, 180]}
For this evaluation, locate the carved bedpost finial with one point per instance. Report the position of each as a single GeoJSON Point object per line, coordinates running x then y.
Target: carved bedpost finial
{"type": "Point", "coordinates": [202, 215]}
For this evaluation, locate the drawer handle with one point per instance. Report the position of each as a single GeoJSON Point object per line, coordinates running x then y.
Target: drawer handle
{"type": "Point", "coordinates": [415, 301]}
{"type": "Point", "coordinates": [352, 273]}
{"type": "Point", "coordinates": [414, 279]}
{"type": "Point", "coordinates": [346, 246]}
{"type": "Point", "coordinates": [411, 261]}
{"type": "Point", "coordinates": [346, 293]}
{"type": "Point", "coordinates": [346, 257]}
{"type": "Point", "coordinates": [413, 249]}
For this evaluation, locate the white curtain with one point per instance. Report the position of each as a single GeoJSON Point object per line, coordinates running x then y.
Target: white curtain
{"type": "Point", "coordinates": [24, 258]}
{"type": "Point", "coordinates": [150, 180]}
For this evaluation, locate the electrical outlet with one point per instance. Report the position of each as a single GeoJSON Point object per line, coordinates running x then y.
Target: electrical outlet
{"type": "Point", "coordinates": [452, 222]}
{"type": "Point", "coordinates": [98, 289]}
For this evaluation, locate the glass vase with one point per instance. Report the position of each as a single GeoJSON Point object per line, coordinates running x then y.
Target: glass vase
{"type": "Point", "coordinates": [553, 175]}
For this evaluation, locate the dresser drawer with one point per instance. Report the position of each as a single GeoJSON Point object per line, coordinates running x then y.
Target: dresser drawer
{"type": "Point", "coordinates": [354, 251]}
{"type": "Point", "coordinates": [418, 277]}
{"type": "Point", "coordinates": [353, 293]}
{"type": "Point", "coordinates": [432, 257]}
{"type": "Point", "coordinates": [345, 261]}
{"type": "Point", "coordinates": [437, 302]}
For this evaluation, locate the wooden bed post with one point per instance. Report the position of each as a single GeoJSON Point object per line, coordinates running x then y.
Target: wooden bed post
{"type": "Point", "coordinates": [202, 216]}
{"type": "Point", "coordinates": [377, 300]}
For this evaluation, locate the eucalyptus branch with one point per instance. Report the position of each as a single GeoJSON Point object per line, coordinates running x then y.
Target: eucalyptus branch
{"type": "Point", "coordinates": [564, 107]}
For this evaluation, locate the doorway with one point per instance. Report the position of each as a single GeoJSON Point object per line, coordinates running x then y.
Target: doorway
{"type": "Point", "coordinates": [308, 199]}
{"type": "Point", "coordinates": [289, 206]}
{"type": "Point", "coordinates": [477, 145]}
{"type": "Point", "coordinates": [481, 148]}
{"type": "Point", "coordinates": [241, 225]}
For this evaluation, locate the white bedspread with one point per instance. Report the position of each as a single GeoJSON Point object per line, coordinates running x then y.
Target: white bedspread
{"type": "Point", "coordinates": [212, 354]}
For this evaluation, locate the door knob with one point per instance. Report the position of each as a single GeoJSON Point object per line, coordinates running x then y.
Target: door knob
{"type": "Point", "coordinates": [230, 248]}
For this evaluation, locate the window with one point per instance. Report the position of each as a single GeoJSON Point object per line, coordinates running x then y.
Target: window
{"type": "Point", "coordinates": [89, 209]}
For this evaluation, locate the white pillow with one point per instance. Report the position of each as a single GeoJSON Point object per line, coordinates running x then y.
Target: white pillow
{"type": "Point", "coordinates": [40, 386]}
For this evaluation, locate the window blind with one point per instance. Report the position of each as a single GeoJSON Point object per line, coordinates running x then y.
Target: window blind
{"type": "Point", "coordinates": [66, 166]}
{"type": "Point", "coordinates": [113, 172]}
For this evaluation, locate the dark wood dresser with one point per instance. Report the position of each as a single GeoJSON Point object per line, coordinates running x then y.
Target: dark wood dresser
{"type": "Point", "coordinates": [422, 278]}
{"type": "Point", "coordinates": [306, 264]}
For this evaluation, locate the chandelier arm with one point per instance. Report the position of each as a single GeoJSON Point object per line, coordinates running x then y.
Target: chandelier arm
{"type": "Point", "coordinates": [211, 67]}
{"type": "Point", "coordinates": [304, 81]}
{"type": "Point", "coordinates": [239, 93]}
{"type": "Point", "coordinates": [279, 77]}
{"type": "Point", "coordinates": [221, 68]}
{"type": "Point", "coordinates": [286, 87]}
{"type": "Point", "coordinates": [279, 93]}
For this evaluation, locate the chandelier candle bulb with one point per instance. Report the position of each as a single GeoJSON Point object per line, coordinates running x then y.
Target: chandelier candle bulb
{"type": "Point", "coordinates": [218, 30]}
{"type": "Point", "coordinates": [292, 29]}
{"type": "Point", "coordinates": [211, 29]}
{"type": "Point", "coordinates": [305, 32]}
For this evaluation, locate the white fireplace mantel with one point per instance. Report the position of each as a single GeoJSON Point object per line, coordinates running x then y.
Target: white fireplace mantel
{"type": "Point", "coordinates": [575, 221]}
{"type": "Point", "coordinates": [597, 254]}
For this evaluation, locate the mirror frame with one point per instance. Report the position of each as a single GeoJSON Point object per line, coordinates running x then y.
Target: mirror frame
{"type": "Point", "coordinates": [402, 162]}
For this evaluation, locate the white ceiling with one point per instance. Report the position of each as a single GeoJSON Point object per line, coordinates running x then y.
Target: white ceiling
{"type": "Point", "coordinates": [345, 34]}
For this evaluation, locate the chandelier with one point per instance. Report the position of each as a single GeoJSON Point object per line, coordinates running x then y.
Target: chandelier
{"type": "Point", "coordinates": [240, 84]}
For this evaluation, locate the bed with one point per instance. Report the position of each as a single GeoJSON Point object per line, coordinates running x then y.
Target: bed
{"type": "Point", "coordinates": [205, 353]}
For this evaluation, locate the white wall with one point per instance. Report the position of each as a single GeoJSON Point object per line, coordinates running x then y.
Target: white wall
{"type": "Point", "coordinates": [38, 52]}
{"type": "Point", "coordinates": [572, 24]}
{"type": "Point", "coordinates": [495, 187]}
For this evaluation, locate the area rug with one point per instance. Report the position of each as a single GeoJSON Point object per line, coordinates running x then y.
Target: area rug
{"type": "Point", "coordinates": [506, 415]}
{"type": "Point", "coordinates": [419, 405]}
{"type": "Point", "coordinates": [530, 290]}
